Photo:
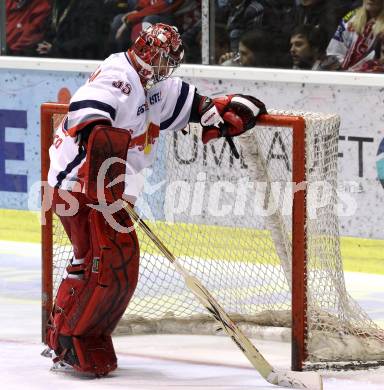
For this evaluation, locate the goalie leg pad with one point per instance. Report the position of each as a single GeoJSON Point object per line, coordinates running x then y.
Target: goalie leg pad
{"type": "Point", "coordinates": [92, 307]}
{"type": "Point", "coordinates": [88, 354]}
{"type": "Point", "coordinates": [66, 203]}
{"type": "Point", "coordinates": [116, 268]}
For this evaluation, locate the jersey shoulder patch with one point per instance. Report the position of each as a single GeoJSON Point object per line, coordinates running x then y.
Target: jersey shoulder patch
{"type": "Point", "coordinates": [346, 18]}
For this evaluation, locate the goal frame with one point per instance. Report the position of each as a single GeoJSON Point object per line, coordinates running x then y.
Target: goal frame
{"type": "Point", "coordinates": [299, 238]}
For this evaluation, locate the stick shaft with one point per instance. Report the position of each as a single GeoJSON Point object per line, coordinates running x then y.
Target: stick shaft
{"type": "Point", "coordinates": [205, 297]}
{"type": "Point", "coordinates": [280, 378]}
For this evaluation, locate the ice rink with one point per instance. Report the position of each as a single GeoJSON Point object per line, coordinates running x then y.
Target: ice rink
{"type": "Point", "coordinates": [149, 362]}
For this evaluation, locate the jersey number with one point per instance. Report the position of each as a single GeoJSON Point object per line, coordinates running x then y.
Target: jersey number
{"type": "Point", "coordinates": [123, 86]}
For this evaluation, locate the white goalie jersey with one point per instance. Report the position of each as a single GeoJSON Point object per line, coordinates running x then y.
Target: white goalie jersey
{"type": "Point", "coordinates": [114, 93]}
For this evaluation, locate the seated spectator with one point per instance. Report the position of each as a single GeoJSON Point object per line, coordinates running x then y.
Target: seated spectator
{"type": "Point", "coordinates": [188, 15]}
{"type": "Point", "coordinates": [141, 13]}
{"type": "Point", "coordinates": [120, 5]}
{"type": "Point", "coordinates": [308, 49]}
{"type": "Point", "coordinates": [192, 43]}
{"type": "Point", "coordinates": [279, 21]}
{"type": "Point", "coordinates": [255, 49]}
{"type": "Point", "coordinates": [188, 20]}
{"type": "Point", "coordinates": [342, 7]}
{"type": "Point", "coordinates": [117, 7]}
{"type": "Point", "coordinates": [77, 30]}
{"type": "Point", "coordinates": [244, 15]}
{"type": "Point", "coordinates": [319, 13]}
{"type": "Point", "coordinates": [357, 33]}
{"type": "Point", "coordinates": [222, 9]}
{"type": "Point", "coordinates": [26, 24]}
{"type": "Point", "coordinates": [374, 62]}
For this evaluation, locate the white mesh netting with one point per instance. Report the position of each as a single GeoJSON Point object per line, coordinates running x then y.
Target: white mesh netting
{"type": "Point", "coordinates": [229, 222]}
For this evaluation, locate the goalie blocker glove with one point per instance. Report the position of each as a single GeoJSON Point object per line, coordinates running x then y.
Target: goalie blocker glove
{"type": "Point", "coordinates": [226, 116]}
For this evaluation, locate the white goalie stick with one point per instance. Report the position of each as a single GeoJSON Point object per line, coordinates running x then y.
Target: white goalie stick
{"type": "Point", "coordinates": [291, 379]}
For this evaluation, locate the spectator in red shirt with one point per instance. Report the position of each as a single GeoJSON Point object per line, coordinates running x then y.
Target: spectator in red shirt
{"type": "Point", "coordinates": [26, 25]}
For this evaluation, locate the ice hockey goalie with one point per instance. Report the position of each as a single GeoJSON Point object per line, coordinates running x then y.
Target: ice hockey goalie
{"type": "Point", "coordinates": [118, 114]}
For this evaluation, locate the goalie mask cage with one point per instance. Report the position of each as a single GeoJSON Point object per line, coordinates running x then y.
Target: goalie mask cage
{"type": "Point", "coordinates": [266, 248]}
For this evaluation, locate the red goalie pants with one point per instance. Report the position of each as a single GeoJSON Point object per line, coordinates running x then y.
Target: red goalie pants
{"type": "Point", "coordinates": [100, 282]}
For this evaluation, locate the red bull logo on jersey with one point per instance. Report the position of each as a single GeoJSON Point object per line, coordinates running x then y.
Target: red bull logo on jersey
{"type": "Point", "coordinates": [145, 141]}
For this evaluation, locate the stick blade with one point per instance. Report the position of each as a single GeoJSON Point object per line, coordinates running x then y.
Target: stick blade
{"type": "Point", "coordinates": [296, 379]}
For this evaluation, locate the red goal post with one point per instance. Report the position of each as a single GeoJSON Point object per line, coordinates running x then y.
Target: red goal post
{"type": "Point", "coordinates": [48, 124]}
{"type": "Point", "coordinates": [308, 135]}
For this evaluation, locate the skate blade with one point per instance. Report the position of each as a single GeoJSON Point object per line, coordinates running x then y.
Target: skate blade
{"type": "Point", "coordinates": [63, 367]}
{"type": "Point", "coordinates": [48, 352]}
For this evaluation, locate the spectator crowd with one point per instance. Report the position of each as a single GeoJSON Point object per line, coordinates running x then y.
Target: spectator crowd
{"type": "Point", "coordinates": [342, 35]}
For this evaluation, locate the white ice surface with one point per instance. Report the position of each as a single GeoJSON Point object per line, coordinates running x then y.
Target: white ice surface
{"type": "Point", "coordinates": [148, 362]}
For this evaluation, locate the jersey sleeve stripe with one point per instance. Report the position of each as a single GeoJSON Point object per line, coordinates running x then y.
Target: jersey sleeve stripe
{"type": "Point", "coordinates": [74, 106]}
{"type": "Point", "coordinates": [73, 130]}
{"type": "Point", "coordinates": [73, 164]}
{"type": "Point", "coordinates": [178, 107]}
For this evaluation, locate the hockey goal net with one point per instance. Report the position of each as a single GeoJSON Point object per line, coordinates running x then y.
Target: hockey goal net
{"type": "Point", "coordinates": [265, 245]}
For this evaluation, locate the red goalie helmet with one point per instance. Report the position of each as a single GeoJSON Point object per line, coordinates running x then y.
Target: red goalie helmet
{"type": "Point", "coordinates": [156, 53]}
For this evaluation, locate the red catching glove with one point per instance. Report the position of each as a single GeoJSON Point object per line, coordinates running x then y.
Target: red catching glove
{"type": "Point", "coordinates": [229, 116]}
